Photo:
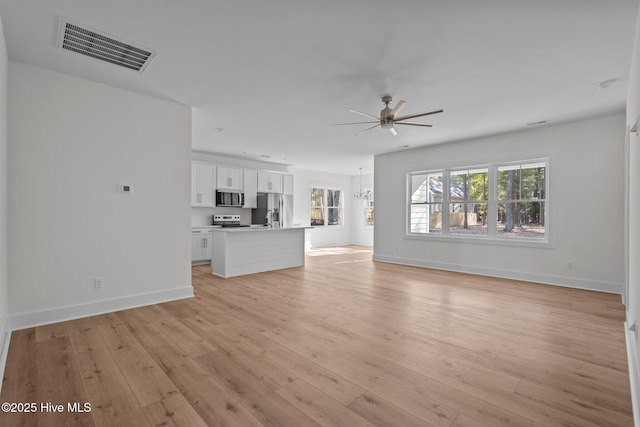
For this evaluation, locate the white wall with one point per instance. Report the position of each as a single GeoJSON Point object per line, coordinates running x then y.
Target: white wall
{"type": "Point", "coordinates": [361, 234]}
{"type": "Point", "coordinates": [4, 305]}
{"type": "Point", "coordinates": [71, 143]}
{"type": "Point", "coordinates": [633, 273]}
{"type": "Point", "coordinates": [585, 199]}
{"type": "Point", "coordinates": [321, 236]}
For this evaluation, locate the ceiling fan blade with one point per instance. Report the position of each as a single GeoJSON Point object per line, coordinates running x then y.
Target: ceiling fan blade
{"type": "Point", "coordinates": [397, 108]}
{"type": "Point", "coordinates": [413, 116]}
{"type": "Point", "coordinates": [393, 131]}
{"type": "Point", "coordinates": [367, 130]}
{"type": "Point", "coordinates": [413, 124]}
{"type": "Point", "coordinates": [365, 114]}
{"type": "Point", "coordinates": [352, 123]}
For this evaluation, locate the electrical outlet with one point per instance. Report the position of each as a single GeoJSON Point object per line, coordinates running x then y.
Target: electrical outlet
{"type": "Point", "coordinates": [98, 282]}
{"type": "Point", "coordinates": [634, 328]}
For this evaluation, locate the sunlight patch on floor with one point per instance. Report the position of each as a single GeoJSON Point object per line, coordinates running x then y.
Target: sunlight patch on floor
{"type": "Point", "coordinates": [339, 250]}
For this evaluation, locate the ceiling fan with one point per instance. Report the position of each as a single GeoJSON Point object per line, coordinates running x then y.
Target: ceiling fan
{"type": "Point", "coordinates": [388, 117]}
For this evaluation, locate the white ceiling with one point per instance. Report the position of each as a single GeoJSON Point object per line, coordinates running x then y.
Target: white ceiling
{"type": "Point", "coordinates": [277, 75]}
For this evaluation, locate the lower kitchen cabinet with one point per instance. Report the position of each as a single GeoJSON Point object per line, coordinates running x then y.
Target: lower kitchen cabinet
{"type": "Point", "coordinates": [200, 245]}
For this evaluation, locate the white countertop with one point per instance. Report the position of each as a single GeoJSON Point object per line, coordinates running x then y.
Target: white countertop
{"type": "Point", "coordinates": [256, 228]}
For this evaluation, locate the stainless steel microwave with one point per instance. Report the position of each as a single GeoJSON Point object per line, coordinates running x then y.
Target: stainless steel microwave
{"type": "Point", "coordinates": [229, 198]}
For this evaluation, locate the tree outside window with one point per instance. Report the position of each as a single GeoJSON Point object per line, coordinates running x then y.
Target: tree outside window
{"type": "Point", "coordinates": [317, 206]}
{"type": "Point", "coordinates": [334, 206]}
{"type": "Point", "coordinates": [469, 193]}
{"type": "Point", "coordinates": [521, 200]}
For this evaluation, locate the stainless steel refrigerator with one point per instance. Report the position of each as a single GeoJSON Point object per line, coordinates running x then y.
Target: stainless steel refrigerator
{"type": "Point", "coordinates": [281, 207]}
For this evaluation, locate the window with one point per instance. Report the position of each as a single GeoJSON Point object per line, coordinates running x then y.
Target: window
{"type": "Point", "coordinates": [334, 205]}
{"type": "Point", "coordinates": [326, 206]}
{"type": "Point", "coordinates": [368, 211]}
{"type": "Point", "coordinates": [317, 206]}
{"type": "Point", "coordinates": [499, 202]}
{"type": "Point", "coordinates": [469, 193]}
{"type": "Point", "coordinates": [521, 203]}
{"type": "Point", "coordinates": [426, 203]}
{"type": "Point", "coordinates": [367, 203]}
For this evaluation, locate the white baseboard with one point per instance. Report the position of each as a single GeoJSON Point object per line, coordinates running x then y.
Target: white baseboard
{"type": "Point", "coordinates": [547, 279]}
{"type": "Point", "coordinates": [60, 314]}
{"type": "Point", "coordinates": [4, 347]}
{"type": "Point", "coordinates": [632, 360]}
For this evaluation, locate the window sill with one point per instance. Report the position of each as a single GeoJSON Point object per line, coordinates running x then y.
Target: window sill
{"type": "Point", "coordinates": [483, 240]}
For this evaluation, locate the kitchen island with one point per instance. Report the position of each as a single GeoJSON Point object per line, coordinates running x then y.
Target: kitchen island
{"type": "Point", "coordinates": [248, 250]}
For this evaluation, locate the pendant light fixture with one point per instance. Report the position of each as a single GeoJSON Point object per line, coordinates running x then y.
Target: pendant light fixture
{"type": "Point", "coordinates": [362, 194]}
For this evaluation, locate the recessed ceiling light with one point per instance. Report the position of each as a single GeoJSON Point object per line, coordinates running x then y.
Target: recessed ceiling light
{"type": "Point", "coordinates": [607, 83]}
{"type": "Point", "coordinates": [264, 155]}
{"type": "Point", "coordinates": [218, 129]}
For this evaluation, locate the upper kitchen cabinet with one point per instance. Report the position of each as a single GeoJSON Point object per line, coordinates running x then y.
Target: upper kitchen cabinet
{"type": "Point", "coordinates": [269, 182]}
{"type": "Point", "coordinates": [229, 178]}
{"type": "Point", "coordinates": [250, 189]}
{"type": "Point", "coordinates": [287, 185]}
{"type": "Point", "coordinates": [203, 185]}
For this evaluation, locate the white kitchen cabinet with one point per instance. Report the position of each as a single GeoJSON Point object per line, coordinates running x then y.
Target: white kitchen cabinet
{"type": "Point", "coordinates": [269, 182]}
{"type": "Point", "coordinates": [250, 189]}
{"type": "Point", "coordinates": [229, 178]}
{"type": "Point", "coordinates": [202, 185]}
{"type": "Point", "coordinates": [200, 245]}
{"type": "Point", "coordinates": [287, 186]}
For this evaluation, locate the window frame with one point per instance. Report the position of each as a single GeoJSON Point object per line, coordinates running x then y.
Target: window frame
{"type": "Point", "coordinates": [492, 236]}
{"type": "Point", "coordinates": [325, 204]}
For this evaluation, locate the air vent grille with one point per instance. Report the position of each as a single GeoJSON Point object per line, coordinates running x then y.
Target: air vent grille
{"type": "Point", "coordinates": [90, 42]}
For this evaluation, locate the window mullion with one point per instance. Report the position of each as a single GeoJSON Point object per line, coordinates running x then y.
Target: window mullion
{"type": "Point", "coordinates": [446, 201]}
{"type": "Point", "coordinates": [325, 206]}
{"type": "Point", "coordinates": [492, 205]}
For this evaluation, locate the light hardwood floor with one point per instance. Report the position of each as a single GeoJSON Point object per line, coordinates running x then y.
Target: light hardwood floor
{"type": "Point", "coordinates": [342, 341]}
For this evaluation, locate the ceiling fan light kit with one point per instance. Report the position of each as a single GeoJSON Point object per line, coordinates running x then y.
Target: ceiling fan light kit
{"type": "Point", "coordinates": [388, 117]}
